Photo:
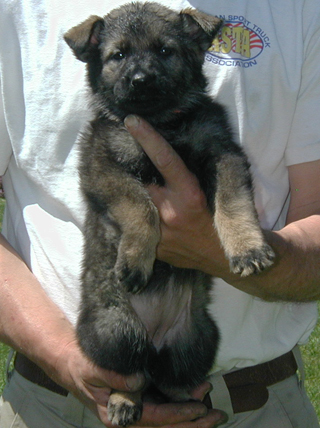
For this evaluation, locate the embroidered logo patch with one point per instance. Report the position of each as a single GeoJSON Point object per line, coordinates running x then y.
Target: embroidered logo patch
{"type": "Point", "coordinates": [238, 44]}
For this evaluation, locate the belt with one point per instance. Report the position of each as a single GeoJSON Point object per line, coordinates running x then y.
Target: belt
{"type": "Point", "coordinates": [30, 371]}
{"type": "Point", "coordinates": [247, 387]}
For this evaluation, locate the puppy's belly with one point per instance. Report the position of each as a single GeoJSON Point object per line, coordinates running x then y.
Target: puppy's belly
{"type": "Point", "coordinates": [165, 314]}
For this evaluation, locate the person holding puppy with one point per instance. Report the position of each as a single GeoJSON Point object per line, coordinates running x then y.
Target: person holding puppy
{"type": "Point", "coordinates": [271, 86]}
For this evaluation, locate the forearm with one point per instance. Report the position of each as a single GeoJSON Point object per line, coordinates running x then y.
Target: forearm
{"type": "Point", "coordinates": [189, 240]}
{"type": "Point", "coordinates": [295, 275]}
{"type": "Point", "coordinates": [29, 321]}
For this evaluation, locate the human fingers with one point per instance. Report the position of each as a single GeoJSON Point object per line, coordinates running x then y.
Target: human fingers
{"type": "Point", "coordinates": [213, 418]}
{"type": "Point", "coordinates": [201, 391]}
{"type": "Point", "coordinates": [171, 413]}
{"type": "Point", "coordinates": [170, 419]}
{"type": "Point", "coordinates": [99, 384]}
{"type": "Point", "coordinates": [180, 415]}
{"type": "Point", "coordinates": [101, 377]}
{"type": "Point", "coordinates": [166, 160]}
{"type": "Point", "coordinates": [81, 376]}
{"type": "Point", "coordinates": [177, 415]}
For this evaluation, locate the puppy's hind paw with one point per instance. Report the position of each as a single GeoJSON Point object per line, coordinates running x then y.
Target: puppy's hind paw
{"type": "Point", "coordinates": [253, 261]}
{"type": "Point", "coordinates": [123, 409]}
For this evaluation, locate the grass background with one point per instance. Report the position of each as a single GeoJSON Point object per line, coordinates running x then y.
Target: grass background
{"type": "Point", "coordinates": [311, 354]}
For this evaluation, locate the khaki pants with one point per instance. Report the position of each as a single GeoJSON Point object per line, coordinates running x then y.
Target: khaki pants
{"type": "Point", "coordinates": [26, 405]}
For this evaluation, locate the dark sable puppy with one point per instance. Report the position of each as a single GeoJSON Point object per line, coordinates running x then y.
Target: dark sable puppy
{"type": "Point", "coordinates": [138, 314]}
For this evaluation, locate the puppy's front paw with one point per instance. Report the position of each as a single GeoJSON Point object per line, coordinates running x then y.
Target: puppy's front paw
{"type": "Point", "coordinates": [252, 261]}
{"type": "Point", "coordinates": [124, 409]}
{"type": "Point", "coordinates": [137, 247]}
{"type": "Point", "coordinates": [135, 261]}
{"type": "Point", "coordinates": [133, 278]}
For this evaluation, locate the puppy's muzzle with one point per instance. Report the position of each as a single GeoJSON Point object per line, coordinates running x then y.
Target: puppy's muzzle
{"type": "Point", "coordinates": [142, 81]}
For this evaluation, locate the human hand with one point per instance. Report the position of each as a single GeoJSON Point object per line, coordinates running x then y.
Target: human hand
{"type": "Point", "coordinates": [93, 385]}
{"type": "Point", "coordinates": [184, 415]}
{"type": "Point", "coordinates": [89, 383]}
{"type": "Point", "coordinates": [188, 237]}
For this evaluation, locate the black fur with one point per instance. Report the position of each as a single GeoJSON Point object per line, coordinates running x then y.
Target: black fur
{"type": "Point", "coordinates": [145, 59]}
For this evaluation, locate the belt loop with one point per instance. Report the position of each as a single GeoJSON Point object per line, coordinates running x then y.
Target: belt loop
{"type": "Point", "coordinates": [220, 397]}
{"type": "Point", "coordinates": [298, 357]}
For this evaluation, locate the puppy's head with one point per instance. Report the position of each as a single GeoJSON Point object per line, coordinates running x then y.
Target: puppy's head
{"type": "Point", "coordinates": [144, 58]}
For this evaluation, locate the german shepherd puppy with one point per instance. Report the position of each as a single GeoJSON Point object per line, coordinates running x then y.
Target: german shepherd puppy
{"type": "Point", "coordinates": [139, 314]}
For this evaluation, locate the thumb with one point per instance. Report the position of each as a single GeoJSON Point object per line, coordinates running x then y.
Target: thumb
{"type": "Point", "coordinates": [163, 156]}
{"type": "Point", "coordinates": [102, 377]}
{"type": "Point", "coordinates": [201, 391]}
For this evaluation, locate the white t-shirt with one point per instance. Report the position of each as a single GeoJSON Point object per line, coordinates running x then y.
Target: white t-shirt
{"type": "Point", "coordinates": [264, 68]}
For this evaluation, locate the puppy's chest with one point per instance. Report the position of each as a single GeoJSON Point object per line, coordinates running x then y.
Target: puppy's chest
{"type": "Point", "coordinates": [128, 154]}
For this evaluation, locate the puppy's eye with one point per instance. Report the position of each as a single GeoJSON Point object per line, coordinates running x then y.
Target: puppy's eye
{"type": "Point", "coordinates": [165, 51]}
{"type": "Point", "coordinates": [118, 56]}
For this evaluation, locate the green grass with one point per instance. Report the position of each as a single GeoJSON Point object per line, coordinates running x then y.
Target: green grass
{"type": "Point", "coordinates": [311, 354]}
{"type": "Point", "coordinates": [4, 350]}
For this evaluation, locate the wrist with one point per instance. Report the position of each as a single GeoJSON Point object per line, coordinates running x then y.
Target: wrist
{"type": "Point", "coordinates": [215, 263]}
{"type": "Point", "coordinates": [58, 357]}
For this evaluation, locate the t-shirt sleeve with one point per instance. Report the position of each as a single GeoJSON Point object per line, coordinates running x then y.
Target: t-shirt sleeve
{"type": "Point", "coordinates": [5, 145]}
{"type": "Point", "coordinates": [304, 141]}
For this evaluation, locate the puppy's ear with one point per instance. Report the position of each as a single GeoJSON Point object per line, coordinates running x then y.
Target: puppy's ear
{"type": "Point", "coordinates": [200, 26]}
{"type": "Point", "coordinates": [84, 39]}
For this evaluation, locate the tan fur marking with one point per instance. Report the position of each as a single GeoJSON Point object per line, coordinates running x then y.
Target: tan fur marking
{"type": "Point", "coordinates": [236, 220]}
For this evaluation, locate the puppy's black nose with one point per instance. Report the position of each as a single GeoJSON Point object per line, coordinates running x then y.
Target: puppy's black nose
{"type": "Point", "coordinates": [142, 80]}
